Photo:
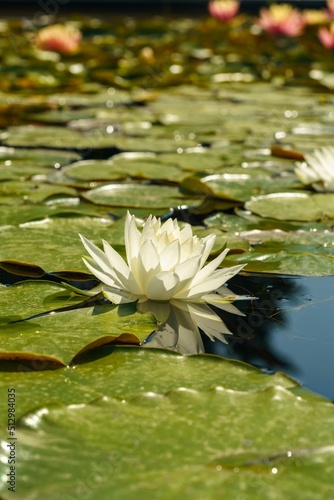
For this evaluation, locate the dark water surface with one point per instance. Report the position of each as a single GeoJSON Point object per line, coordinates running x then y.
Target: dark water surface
{"type": "Point", "coordinates": [289, 328]}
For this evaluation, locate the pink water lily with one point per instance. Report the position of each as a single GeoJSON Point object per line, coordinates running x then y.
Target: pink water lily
{"type": "Point", "coordinates": [330, 8]}
{"type": "Point", "coordinates": [223, 10]}
{"type": "Point", "coordinates": [60, 38]}
{"type": "Point", "coordinates": [282, 19]}
{"type": "Point", "coordinates": [164, 265]}
{"type": "Point", "coordinates": [326, 36]}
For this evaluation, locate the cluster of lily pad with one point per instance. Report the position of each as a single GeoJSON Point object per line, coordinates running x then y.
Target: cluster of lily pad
{"type": "Point", "coordinates": [223, 126]}
{"type": "Point", "coordinates": [229, 153]}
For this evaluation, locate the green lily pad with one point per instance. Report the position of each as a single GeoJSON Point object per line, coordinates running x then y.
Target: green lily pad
{"type": "Point", "coordinates": [52, 243]}
{"type": "Point", "coordinates": [13, 192]}
{"type": "Point", "coordinates": [293, 206]}
{"type": "Point", "coordinates": [241, 185]}
{"type": "Point", "coordinates": [117, 169]}
{"type": "Point", "coordinates": [62, 207]}
{"type": "Point", "coordinates": [243, 220]}
{"type": "Point", "coordinates": [147, 425]}
{"type": "Point", "coordinates": [57, 137]}
{"type": "Point", "coordinates": [25, 163]}
{"type": "Point", "coordinates": [139, 196]}
{"type": "Point", "coordinates": [29, 298]}
{"type": "Point", "coordinates": [305, 253]}
{"type": "Point", "coordinates": [59, 337]}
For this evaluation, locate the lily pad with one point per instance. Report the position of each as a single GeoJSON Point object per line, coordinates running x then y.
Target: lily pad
{"type": "Point", "coordinates": [144, 415]}
{"type": "Point", "coordinates": [139, 196]}
{"type": "Point", "coordinates": [47, 337]}
{"type": "Point", "coordinates": [117, 169]}
{"type": "Point", "coordinates": [293, 206]}
{"type": "Point", "coordinates": [242, 185]}
{"type": "Point", "coordinates": [52, 243]}
{"type": "Point", "coordinates": [13, 192]}
{"type": "Point", "coordinates": [297, 253]}
{"type": "Point", "coordinates": [25, 163]}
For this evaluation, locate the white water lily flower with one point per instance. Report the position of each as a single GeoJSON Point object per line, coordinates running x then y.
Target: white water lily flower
{"type": "Point", "coordinates": [164, 264]}
{"type": "Point", "coordinates": [318, 169]}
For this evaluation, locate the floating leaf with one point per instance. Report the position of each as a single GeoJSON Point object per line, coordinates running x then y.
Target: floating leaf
{"type": "Point", "coordinates": [60, 336]}
{"type": "Point", "coordinates": [139, 195]}
{"type": "Point", "coordinates": [52, 244]}
{"type": "Point", "coordinates": [242, 185]}
{"type": "Point", "coordinates": [293, 206]}
{"type": "Point", "coordinates": [138, 424]}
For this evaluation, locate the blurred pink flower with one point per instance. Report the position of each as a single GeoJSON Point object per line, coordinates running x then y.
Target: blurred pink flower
{"type": "Point", "coordinates": [223, 10]}
{"type": "Point", "coordinates": [330, 7]}
{"type": "Point", "coordinates": [282, 19]}
{"type": "Point", "coordinates": [59, 38]}
{"type": "Point", "coordinates": [326, 36]}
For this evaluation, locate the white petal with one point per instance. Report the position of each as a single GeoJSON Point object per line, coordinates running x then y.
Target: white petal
{"type": "Point", "coordinates": [162, 242]}
{"type": "Point", "coordinates": [169, 226]}
{"type": "Point", "coordinates": [221, 303]}
{"type": "Point", "coordinates": [209, 241]}
{"type": "Point", "coordinates": [211, 283]}
{"type": "Point", "coordinates": [97, 255]}
{"type": "Point", "coordinates": [227, 294]}
{"type": "Point", "coordinates": [146, 265]}
{"type": "Point", "coordinates": [105, 278]}
{"type": "Point", "coordinates": [117, 296]}
{"type": "Point", "coordinates": [131, 238]}
{"type": "Point", "coordinates": [106, 271]}
{"type": "Point", "coordinates": [170, 256]}
{"type": "Point", "coordinates": [187, 250]}
{"type": "Point", "coordinates": [185, 234]}
{"type": "Point", "coordinates": [210, 268]}
{"type": "Point", "coordinates": [162, 286]}
{"type": "Point", "coordinates": [188, 269]}
{"type": "Point", "coordinates": [116, 261]}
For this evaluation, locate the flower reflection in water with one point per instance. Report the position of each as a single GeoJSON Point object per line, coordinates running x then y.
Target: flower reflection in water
{"type": "Point", "coordinates": [181, 331]}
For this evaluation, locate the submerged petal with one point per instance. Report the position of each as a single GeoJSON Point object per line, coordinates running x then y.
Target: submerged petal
{"type": "Point", "coordinates": [161, 310]}
{"type": "Point", "coordinates": [205, 318]}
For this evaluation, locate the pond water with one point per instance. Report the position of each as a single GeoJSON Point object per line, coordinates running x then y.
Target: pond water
{"type": "Point", "coordinates": [288, 328]}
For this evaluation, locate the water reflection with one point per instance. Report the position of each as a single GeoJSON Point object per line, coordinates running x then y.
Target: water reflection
{"type": "Point", "coordinates": [288, 328]}
{"type": "Point", "coordinates": [294, 332]}
{"type": "Point", "coordinates": [181, 331]}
